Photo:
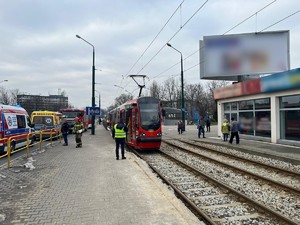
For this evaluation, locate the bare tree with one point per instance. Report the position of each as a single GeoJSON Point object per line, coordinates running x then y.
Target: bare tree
{"type": "Point", "coordinates": [192, 93]}
{"type": "Point", "coordinates": [13, 96]}
{"type": "Point", "coordinates": [211, 103]}
{"type": "Point", "coordinates": [172, 92]}
{"type": "Point", "coordinates": [122, 99]}
{"type": "Point", "coordinates": [4, 96]}
{"type": "Point", "coordinates": [155, 90]}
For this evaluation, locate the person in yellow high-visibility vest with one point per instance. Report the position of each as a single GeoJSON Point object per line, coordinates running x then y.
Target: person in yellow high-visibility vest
{"type": "Point", "coordinates": [119, 134]}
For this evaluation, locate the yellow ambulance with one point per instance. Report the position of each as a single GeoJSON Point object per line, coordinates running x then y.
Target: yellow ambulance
{"type": "Point", "coordinates": [48, 122]}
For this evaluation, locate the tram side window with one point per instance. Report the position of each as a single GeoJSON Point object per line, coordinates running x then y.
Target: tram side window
{"type": "Point", "coordinates": [21, 121]}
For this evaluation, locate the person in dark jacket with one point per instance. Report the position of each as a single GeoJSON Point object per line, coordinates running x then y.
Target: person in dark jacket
{"type": "Point", "coordinates": [208, 124]}
{"type": "Point", "coordinates": [180, 126]}
{"type": "Point", "coordinates": [201, 126]}
{"type": "Point", "coordinates": [234, 131]}
{"type": "Point", "coordinates": [119, 134]}
{"type": "Point", "coordinates": [65, 131]}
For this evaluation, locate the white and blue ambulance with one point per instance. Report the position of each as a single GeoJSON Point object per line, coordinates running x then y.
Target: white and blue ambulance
{"type": "Point", "coordinates": [15, 123]}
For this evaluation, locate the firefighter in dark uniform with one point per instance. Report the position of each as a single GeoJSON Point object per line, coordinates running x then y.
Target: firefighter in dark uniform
{"type": "Point", "coordinates": [119, 134]}
{"type": "Point", "coordinates": [77, 130]}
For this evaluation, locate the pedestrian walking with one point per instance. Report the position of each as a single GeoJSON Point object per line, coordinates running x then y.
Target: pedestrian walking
{"type": "Point", "coordinates": [208, 124]}
{"type": "Point", "coordinates": [77, 130]}
{"type": "Point", "coordinates": [234, 131]}
{"type": "Point", "coordinates": [225, 128]}
{"type": "Point", "coordinates": [201, 126]}
{"type": "Point", "coordinates": [180, 126]}
{"type": "Point", "coordinates": [65, 131]}
{"type": "Point", "coordinates": [119, 134]}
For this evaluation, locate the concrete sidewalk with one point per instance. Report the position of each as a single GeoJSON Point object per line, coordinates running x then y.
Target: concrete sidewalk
{"type": "Point", "coordinates": [87, 186]}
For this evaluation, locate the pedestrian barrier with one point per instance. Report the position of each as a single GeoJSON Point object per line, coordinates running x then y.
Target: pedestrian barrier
{"type": "Point", "coordinates": [29, 143]}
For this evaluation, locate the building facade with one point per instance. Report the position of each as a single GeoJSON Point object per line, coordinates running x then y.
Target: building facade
{"type": "Point", "coordinates": [37, 102]}
{"type": "Point", "coordinates": [267, 108]}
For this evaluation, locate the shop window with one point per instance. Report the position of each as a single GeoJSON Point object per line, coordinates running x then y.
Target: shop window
{"type": "Point", "coordinates": [246, 105]}
{"type": "Point", "coordinates": [227, 116]}
{"type": "Point", "coordinates": [290, 101]}
{"type": "Point", "coordinates": [234, 106]}
{"type": "Point", "coordinates": [263, 124]}
{"type": "Point", "coordinates": [227, 107]}
{"type": "Point", "coordinates": [262, 103]}
{"type": "Point", "coordinates": [290, 125]}
{"type": "Point", "coordinates": [246, 123]}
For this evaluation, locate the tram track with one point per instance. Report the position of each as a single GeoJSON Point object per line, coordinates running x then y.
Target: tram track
{"type": "Point", "coordinates": [215, 201]}
{"type": "Point", "coordinates": [287, 179]}
{"type": "Point", "coordinates": [275, 195]}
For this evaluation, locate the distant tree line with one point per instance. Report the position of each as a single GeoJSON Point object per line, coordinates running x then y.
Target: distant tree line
{"type": "Point", "coordinates": [198, 97]}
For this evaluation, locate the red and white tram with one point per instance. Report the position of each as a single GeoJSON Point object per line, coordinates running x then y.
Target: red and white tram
{"type": "Point", "coordinates": [143, 119]}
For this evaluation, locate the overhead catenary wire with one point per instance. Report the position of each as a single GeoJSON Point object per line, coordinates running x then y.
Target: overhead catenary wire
{"type": "Point", "coordinates": [173, 35]}
{"type": "Point", "coordinates": [280, 21]}
{"type": "Point", "coordinates": [254, 14]}
{"type": "Point", "coordinates": [290, 15]}
{"type": "Point", "coordinates": [179, 7]}
{"type": "Point", "coordinates": [238, 24]}
{"type": "Point", "coordinates": [171, 38]}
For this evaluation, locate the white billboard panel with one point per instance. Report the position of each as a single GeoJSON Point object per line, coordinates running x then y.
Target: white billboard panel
{"type": "Point", "coordinates": [227, 56]}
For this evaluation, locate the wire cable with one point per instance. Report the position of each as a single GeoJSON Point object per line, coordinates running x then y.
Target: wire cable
{"type": "Point", "coordinates": [249, 17]}
{"type": "Point", "coordinates": [179, 7]}
{"type": "Point", "coordinates": [223, 34]}
{"type": "Point", "coordinates": [279, 21]}
{"type": "Point", "coordinates": [173, 35]}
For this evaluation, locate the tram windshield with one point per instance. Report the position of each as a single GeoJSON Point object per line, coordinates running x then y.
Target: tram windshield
{"type": "Point", "coordinates": [150, 116]}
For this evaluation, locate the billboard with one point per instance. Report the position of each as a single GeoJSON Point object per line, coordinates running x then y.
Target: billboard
{"type": "Point", "coordinates": [225, 57]}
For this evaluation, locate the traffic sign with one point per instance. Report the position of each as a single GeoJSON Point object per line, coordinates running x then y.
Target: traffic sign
{"type": "Point", "coordinates": [93, 111]}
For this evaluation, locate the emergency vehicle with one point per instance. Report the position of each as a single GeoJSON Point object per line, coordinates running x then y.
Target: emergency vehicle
{"type": "Point", "coordinates": [71, 113]}
{"type": "Point", "coordinates": [15, 123]}
{"type": "Point", "coordinates": [48, 121]}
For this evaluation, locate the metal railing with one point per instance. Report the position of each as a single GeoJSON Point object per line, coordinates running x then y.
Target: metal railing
{"type": "Point", "coordinates": [10, 142]}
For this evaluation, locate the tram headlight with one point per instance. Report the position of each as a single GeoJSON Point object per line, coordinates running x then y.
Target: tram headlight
{"type": "Point", "coordinates": [158, 134]}
{"type": "Point", "coordinates": [140, 134]}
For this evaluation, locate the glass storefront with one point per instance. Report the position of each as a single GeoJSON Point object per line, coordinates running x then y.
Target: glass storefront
{"type": "Point", "coordinates": [290, 117]}
{"type": "Point", "coordinates": [254, 116]}
{"type": "Point", "coordinates": [246, 120]}
{"type": "Point", "coordinates": [263, 123]}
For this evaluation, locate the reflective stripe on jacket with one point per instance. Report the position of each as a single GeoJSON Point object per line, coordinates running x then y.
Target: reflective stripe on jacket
{"type": "Point", "coordinates": [119, 133]}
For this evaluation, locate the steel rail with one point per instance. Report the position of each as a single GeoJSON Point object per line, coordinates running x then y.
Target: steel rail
{"type": "Point", "coordinates": [288, 187]}
{"type": "Point", "coordinates": [253, 202]}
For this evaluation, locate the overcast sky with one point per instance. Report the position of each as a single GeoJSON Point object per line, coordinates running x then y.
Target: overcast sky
{"type": "Point", "coordinates": [40, 54]}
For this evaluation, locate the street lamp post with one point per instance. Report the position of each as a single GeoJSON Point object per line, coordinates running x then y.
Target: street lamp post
{"type": "Point", "coordinates": [182, 88]}
{"type": "Point", "coordinates": [93, 83]}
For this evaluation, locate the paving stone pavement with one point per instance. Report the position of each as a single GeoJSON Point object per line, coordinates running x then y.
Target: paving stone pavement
{"type": "Point", "coordinates": [87, 186]}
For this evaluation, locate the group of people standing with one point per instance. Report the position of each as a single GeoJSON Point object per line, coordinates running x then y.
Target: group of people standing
{"type": "Point", "coordinates": [233, 128]}
{"type": "Point", "coordinates": [226, 128]}
{"type": "Point", "coordinates": [118, 133]}
{"type": "Point", "coordinates": [201, 126]}
{"type": "Point", "coordinates": [77, 130]}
